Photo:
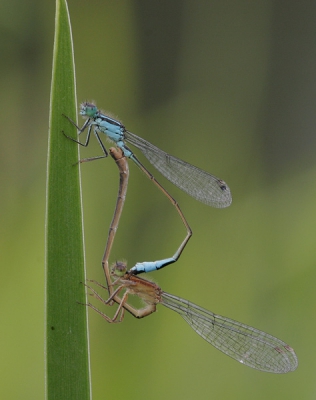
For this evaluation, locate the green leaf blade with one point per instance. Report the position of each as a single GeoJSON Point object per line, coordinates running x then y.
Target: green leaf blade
{"type": "Point", "coordinates": [67, 351]}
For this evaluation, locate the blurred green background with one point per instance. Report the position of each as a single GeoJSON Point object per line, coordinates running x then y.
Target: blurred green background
{"type": "Point", "coordinates": [228, 86]}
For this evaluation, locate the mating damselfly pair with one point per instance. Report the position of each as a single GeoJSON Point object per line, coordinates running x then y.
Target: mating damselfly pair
{"type": "Point", "coordinates": [247, 345]}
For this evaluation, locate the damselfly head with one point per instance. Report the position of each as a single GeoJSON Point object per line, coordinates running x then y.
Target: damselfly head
{"type": "Point", "coordinates": [118, 269]}
{"type": "Point", "coordinates": [88, 110]}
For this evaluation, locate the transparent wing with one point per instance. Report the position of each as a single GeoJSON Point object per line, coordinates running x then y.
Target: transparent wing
{"type": "Point", "coordinates": [245, 344]}
{"type": "Point", "coordinates": [197, 183]}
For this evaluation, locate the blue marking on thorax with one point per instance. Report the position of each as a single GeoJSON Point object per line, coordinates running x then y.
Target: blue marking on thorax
{"type": "Point", "coordinates": [114, 130]}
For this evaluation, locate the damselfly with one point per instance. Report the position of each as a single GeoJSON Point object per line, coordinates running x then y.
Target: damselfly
{"type": "Point", "coordinates": [197, 183]}
{"type": "Point", "coordinates": [117, 132]}
{"type": "Point", "coordinates": [248, 345]}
